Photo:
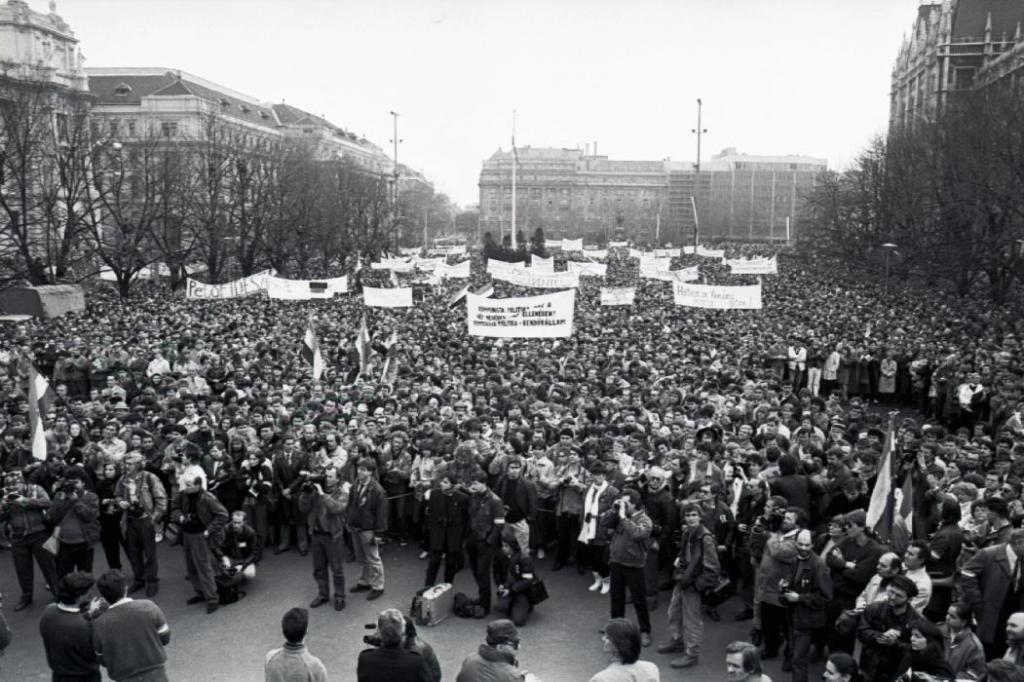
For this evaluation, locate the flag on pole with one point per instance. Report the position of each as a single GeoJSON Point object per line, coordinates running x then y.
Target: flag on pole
{"type": "Point", "coordinates": [883, 516]}
{"type": "Point", "coordinates": [40, 399]}
{"type": "Point", "coordinates": [363, 345]}
{"type": "Point", "coordinates": [394, 279]}
{"type": "Point", "coordinates": [459, 295]}
{"type": "Point", "coordinates": [903, 521]}
{"type": "Point", "coordinates": [311, 352]}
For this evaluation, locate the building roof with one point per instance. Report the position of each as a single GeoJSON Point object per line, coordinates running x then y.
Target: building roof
{"type": "Point", "coordinates": [971, 17]}
{"type": "Point", "coordinates": [293, 116]}
{"type": "Point", "coordinates": [114, 86]}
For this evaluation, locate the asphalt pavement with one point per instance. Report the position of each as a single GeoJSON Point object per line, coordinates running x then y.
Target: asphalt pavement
{"type": "Point", "coordinates": [560, 643]}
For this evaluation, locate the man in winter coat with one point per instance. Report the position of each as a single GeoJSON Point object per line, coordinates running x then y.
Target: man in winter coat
{"type": "Point", "coordinates": [631, 535]}
{"type": "Point", "coordinates": [807, 594]}
{"type": "Point", "coordinates": [495, 660]}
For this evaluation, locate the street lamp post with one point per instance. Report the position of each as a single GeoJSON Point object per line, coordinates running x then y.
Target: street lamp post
{"type": "Point", "coordinates": [394, 188]}
{"type": "Point", "coordinates": [889, 248]}
{"type": "Point", "coordinates": [700, 130]}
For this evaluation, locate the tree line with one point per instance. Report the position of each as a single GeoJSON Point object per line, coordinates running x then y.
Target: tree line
{"type": "Point", "coordinates": [947, 193]}
{"type": "Point", "coordinates": [77, 196]}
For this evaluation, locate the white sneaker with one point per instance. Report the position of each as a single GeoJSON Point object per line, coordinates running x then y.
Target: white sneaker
{"type": "Point", "coordinates": [424, 554]}
{"type": "Point", "coordinates": [159, 536]}
{"type": "Point", "coordinates": [606, 585]}
{"type": "Point", "coordinates": [540, 553]}
{"type": "Point", "coordinates": [597, 583]}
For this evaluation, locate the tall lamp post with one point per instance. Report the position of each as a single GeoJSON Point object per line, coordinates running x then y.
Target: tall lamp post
{"type": "Point", "coordinates": [889, 249]}
{"type": "Point", "coordinates": [699, 130]}
{"type": "Point", "coordinates": [394, 179]}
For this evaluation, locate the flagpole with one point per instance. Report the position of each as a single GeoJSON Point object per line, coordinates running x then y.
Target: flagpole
{"type": "Point", "coordinates": [514, 162]}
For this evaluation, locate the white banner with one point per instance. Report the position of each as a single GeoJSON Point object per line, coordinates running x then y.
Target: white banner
{"type": "Point", "coordinates": [666, 253]}
{"type": "Point", "coordinates": [754, 266]}
{"type": "Point", "coordinates": [541, 264]}
{"type": "Point", "coordinates": [305, 289]}
{"type": "Point", "coordinates": [710, 253]}
{"type": "Point", "coordinates": [649, 264]}
{"type": "Point", "coordinates": [636, 253]}
{"type": "Point", "coordinates": [617, 245]}
{"type": "Point", "coordinates": [247, 286]}
{"type": "Point", "coordinates": [717, 297]}
{"type": "Point", "coordinates": [572, 244]}
{"type": "Point", "coordinates": [540, 280]}
{"type": "Point", "coordinates": [618, 296]}
{"type": "Point", "coordinates": [689, 250]}
{"type": "Point", "coordinates": [596, 253]}
{"type": "Point", "coordinates": [394, 264]}
{"type": "Point", "coordinates": [552, 243]}
{"type": "Point", "coordinates": [547, 316]}
{"type": "Point", "coordinates": [499, 269]}
{"type": "Point", "coordinates": [588, 269]}
{"type": "Point", "coordinates": [684, 275]}
{"type": "Point", "coordinates": [429, 264]}
{"type": "Point", "coordinates": [387, 298]}
{"type": "Point", "coordinates": [409, 250]}
{"type": "Point", "coordinates": [457, 271]}
{"type": "Point", "coordinates": [451, 250]}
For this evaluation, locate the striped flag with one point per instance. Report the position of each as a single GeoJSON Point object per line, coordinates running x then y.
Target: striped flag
{"type": "Point", "coordinates": [459, 295]}
{"type": "Point", "coordinates": [486, 291]}
{"type": "Point", "coordinates": [311, 352]}
{"type": "Point", "coordinates": [903, 521]}
{"type": "Point", "coordinates": [891, 510]}
{"type": "Point", "coordinates": [363, 345]}
{"type": "Point", "coordinates": [40, 399]}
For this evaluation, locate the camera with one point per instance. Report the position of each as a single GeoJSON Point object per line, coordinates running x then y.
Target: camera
{"type": "Point", "coordinates": [11, 495]}
{"type": "Point", "coordinates": [372, 639]}
{"type": "Point", "coordinates": [309, 482]}
{"type": "Point", "coordinates": [65, 486]}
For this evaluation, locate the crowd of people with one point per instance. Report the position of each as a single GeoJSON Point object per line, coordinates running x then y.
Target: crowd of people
{"type": "Point", "coordinates": [670, 454]}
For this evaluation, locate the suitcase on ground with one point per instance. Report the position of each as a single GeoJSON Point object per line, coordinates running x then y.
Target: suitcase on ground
{"type": "Point", "coordinates": [434, 605]}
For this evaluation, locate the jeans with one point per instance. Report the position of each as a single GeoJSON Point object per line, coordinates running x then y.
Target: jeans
{"type": "Point", "coordinates": [481, 557]}
{"type": "Point", "coordinates": [684, 619]}
{"type": "Point", "coordinates": [76, 556]}
{"type": "Point", "coordinates": [364, 542]}
{"type": "Point", "coordinates": [633, 578]}
{"type": "Point", "coordinates": [773, 626]}
{"type": "Point", "coordinates": [199, 566]}
{"type": "Point", "coordinates": [567, 527]}
{"type": "Point", "coordinates": [112, 540]}
{"type": "Point", "coordinates": [140, 534]}
{"type": "Point", "coordinates": [799, 648]}
{"type": "Point", "coordinates": [452, 564]}
{"type": "Point", "coordinates": [516, 606]}
{"type": "Point", "coordinates": [328, 559]}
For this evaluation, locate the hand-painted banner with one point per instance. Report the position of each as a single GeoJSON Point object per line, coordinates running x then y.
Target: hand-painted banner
{"type": "Point", "coordinates": [617, 245]}
{"type": "Point", "coordinates": [689, 250]}
{"type": "Point", "coordinates": [572, 244]}
{"type": "Point", "coordinates": [666, 253]}
{"type": "Point", "coordinates": [247, 286]}
{"type": "Point", "coordinates": [429, 264]}
{"type": "Point", "coordinates": [547, 316]}
{"type": "Point", "coordinates": [754, 266]}
{"type": "Point", "coordinates": [387, 298]}
{"type": "Point", "coordinates": [552, 243]}
{"type": "Point", "coordinates": [588, 268]}
{"type": "Point", "coordinates": [618, 295]}
{"type": "Point", "coordinates": [541, 264]}
{"type": "Point", "coordinates": [304, 289]}
{"type": "Point", "coordinates": [649, 265]}
{"type": "Point", "coordinates": [394, 264]}
{"type": "Point", "coordinates": [499, 269]}
{"type": "Point", "coordinates": [637, 253]}
{"type": "Point", "coordinates": [540, 280]}
{"type": "Point", "coordinates": [684, 275]}
{"type": "Point", "coordinates": [595, 253]}
{"type": "Point", "coordinates": [450, 250]}
{"type": "Point", "coordinates": [457, 271]}
{"type": "Point", "coordinates": [710, 253]}
{"type": "Point", "coordinates": [717, 297]}
{"type": "Point", "coordinates": [409, 250]}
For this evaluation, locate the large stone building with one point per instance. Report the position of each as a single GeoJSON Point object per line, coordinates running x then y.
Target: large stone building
{"type": "Point", "coordinates": [955, 46]}
{"type": "Point", "coordinates": [572, 193]}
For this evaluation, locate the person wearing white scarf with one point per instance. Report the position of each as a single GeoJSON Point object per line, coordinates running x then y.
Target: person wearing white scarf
{"type": "Point", "coordinates": [593, 543]}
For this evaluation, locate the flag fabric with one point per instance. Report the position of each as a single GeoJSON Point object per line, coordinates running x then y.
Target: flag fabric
{"type": "Point", "coordinates": [891, 511]}
{"type": "Point", "coordinates": [311, 352]}
{"type": "Point", "coordinates": [394, 279]}
{"type": "Point", "coordinates": [459, 295]}
{"type": "Point", "coordinates": [486, 291]}
{"type": "Point", "coordinates": [40, 399]}
{"type": "Point", "coordinates": [363, 344]}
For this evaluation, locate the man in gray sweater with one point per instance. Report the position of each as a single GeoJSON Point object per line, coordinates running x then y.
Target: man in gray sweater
{"type": "Point", "coordinates": [131, 635]}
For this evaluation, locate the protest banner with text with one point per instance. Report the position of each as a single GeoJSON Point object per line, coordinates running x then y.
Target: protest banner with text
{"type": "Point", "coordinates": [387, 298]}
{"type": "Point", "coordinates": [618, 295]}
{"type": "Point", "coordinates": [546, 316]}
{"type": "Point", "coordinates": [247, 286]}
{"type": "Point", "coordinates": [717, 297]}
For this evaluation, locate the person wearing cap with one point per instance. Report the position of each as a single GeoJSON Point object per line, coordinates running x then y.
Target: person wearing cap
{"type": "Point", "coordinates": [367, 518]}
{"type": "Point", "coordinates": [203, 519]}
{"type": "Point", "coordinates": [392, 660]}
{"type": "Point", "coordinates": [141, 495]}
{"type": "Point", "coordinates": [495, 660]}
{"type": "Point", "coordinates": [884, 630]}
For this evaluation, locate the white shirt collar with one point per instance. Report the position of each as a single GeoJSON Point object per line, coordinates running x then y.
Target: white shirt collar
{"type": "Point", "coordinates": [123, 600]}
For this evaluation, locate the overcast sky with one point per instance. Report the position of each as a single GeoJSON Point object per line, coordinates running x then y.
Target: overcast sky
{"type": "Point", "coordinates": [776, 76]}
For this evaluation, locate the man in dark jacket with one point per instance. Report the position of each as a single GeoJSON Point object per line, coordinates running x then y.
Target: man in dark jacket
{"type": "Point", "coordinates": [884, 630]}
{"type": "Point", "coordinates": [324, 507]}
{"type": "Point", "coordinates": [520, 499]}
{"type": "Point", "coordinates": [202, 518]}
{"type": "Point", "coordinates": [67, 634]}
{"type": "Point", "coordinates": [993, 586]}
{"type": "Point", "coordinates": [486, 523]}
{"type": "Point", "coordinates": [23, 514]}
{"type": "Point", "coordinates": [76, 512]}
{"type": "Point", "coordinates": [287, 466]}
{"type": "Point", "coordinates": [496, 658]}
{"type": "Point", "coordinates": [631, 535]}
{"type": "Point", "coordinates": [696, 570]}
{"type": "Point", "coordinates": [367, 519]}
{"type": "Point", "coordinates": [852, 564]}
{"type": "Point", "coordinates": [391, 661]}
{"type": "Point", "coordinates": [808, 592]}
{"type": "Point", "coordinates": [447, 515]}
{"type": "Point", "coordinates": [664, 515]}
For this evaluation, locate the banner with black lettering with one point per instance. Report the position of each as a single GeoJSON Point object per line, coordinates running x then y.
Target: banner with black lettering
{"type": "Point", "coordinates": [541, 280]}
{"type": "Point", "coordinates": [457, 271]}
{"type": "Point", "coordinates": [499, 269]}
{"type": "Point", "coordinates": [588, 268]}
{"type": "Point", "coordinates": [754, 266]}
{"type": "Point", "coordinates": [541, 264]}
{"type": "Point", "coordinates": [710, 253]}
{"type": "Point", "coordinates": [305, 289]}
{"type": "Point", "coordinates": [547, 316]}
{"type": "Point", "coordinates": [717, 297]}
{"type": "Point", "coordinates": [246, 286]}
{"type": "Point", "coordinates": [387, 298]}
{"type": "Point", "coordinates": [618, 295]}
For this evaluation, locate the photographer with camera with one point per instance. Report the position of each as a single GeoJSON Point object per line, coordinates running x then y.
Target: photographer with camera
{"type": "Point", "coordinates": [389, 658]}
{"type": "Point", "coordinates": [202, 518]}
{"type": "Point", "coordinates": [324, 502]}
{"type": "Point", "coordinates": [75, 515]}
{"type": "Point", "coordinates": [697, 569]}
{"type": "Point", "coordinates": [240, 550]}
{"type": "Point", "coordinates": [144, 500]}
{"type": "Point", "coordinates": [631, 535]}
{"type": "Point", "coordinates": [773, 576]}
{"type": "Point", "coordinates": [23, 514]}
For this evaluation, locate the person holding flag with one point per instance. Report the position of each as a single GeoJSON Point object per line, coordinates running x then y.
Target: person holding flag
{"type": "Point", "coordinates": [311, 351]}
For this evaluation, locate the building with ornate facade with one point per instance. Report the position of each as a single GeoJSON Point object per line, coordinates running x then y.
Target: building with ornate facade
{"type": "Point", "coordinates": [571, 193]}
{"type": "Point", "coordinates": [955, 46]}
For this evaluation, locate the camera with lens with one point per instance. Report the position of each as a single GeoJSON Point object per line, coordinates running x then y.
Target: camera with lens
{"type": "Point", "coordinates": [66, 486]}
{"type": "Point", "coordinates": [372, 639]}
{"type": "Point", "coordinates": [309, 482]}
{"type": "Point", "coordinates": [10, 494]}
